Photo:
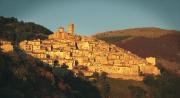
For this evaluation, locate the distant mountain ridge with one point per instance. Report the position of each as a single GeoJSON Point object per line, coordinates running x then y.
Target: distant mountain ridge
{"type": "Point", "coordinates": [12, 29]}
{"type": "Point", "coordinates": [149, 32]}
{"type": "Point", "coordinates": [146, 42]}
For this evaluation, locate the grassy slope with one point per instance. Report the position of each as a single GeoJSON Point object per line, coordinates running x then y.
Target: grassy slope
{"type": "Point", "coordinates": [136, 32]}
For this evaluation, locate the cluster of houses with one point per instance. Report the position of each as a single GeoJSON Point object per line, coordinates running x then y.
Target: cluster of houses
{"type": "Point", "coordinates": [96, 55]}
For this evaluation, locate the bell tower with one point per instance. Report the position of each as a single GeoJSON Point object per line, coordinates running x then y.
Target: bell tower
{"type": "Point", "coordinates": [70, 29]}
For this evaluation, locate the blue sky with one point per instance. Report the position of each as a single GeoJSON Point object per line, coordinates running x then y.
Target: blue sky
{"type": "Point", "coordinates": [91, 16]}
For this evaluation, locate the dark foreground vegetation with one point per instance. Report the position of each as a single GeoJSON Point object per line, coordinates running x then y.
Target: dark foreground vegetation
{"type": "Point", "coordinates": [22, 76]}
{"type": "Point", "coordinates": [165, 86]}
{"type": "Point", "coordinates": [13, 30]}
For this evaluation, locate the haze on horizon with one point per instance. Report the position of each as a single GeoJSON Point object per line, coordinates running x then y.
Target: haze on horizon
{"type": "Point", "coordinates": [91, 16]}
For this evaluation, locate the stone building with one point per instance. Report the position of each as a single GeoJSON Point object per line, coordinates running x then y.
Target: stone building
{"type": "Point", "coordinates": [97, 55]}
{"type": "Point", "coordinates": [71, 29]}
{"type": "Point", "coordinates": [61, 34]}
{"type": "Point", "coordinates": [6, 46]}
{"type": "Point", "coordinates": [151, 60]}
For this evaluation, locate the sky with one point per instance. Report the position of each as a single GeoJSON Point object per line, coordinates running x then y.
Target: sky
{"type": "Point", "coordinates": [92, 16]}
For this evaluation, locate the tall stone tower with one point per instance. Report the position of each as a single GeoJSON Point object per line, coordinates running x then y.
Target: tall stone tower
{"type": "Point", "coordinates": [70, 29]}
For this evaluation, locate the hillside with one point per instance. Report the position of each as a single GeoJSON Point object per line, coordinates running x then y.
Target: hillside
{"type": "Point", "coordinates": [22, 76]}
{"type": "Point", "coordinates": [146, 42]}
{"type": "Point", "coordinates": [13, 30]}
{"type": "Point", "coordinates": [150, 32]}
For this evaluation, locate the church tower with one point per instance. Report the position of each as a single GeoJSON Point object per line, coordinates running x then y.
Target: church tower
{"type": "Point", "coordinates": [70, 29]}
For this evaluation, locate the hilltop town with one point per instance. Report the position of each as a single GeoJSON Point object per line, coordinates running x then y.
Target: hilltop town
{"type": "Point", "coordinates": [65, 47]}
